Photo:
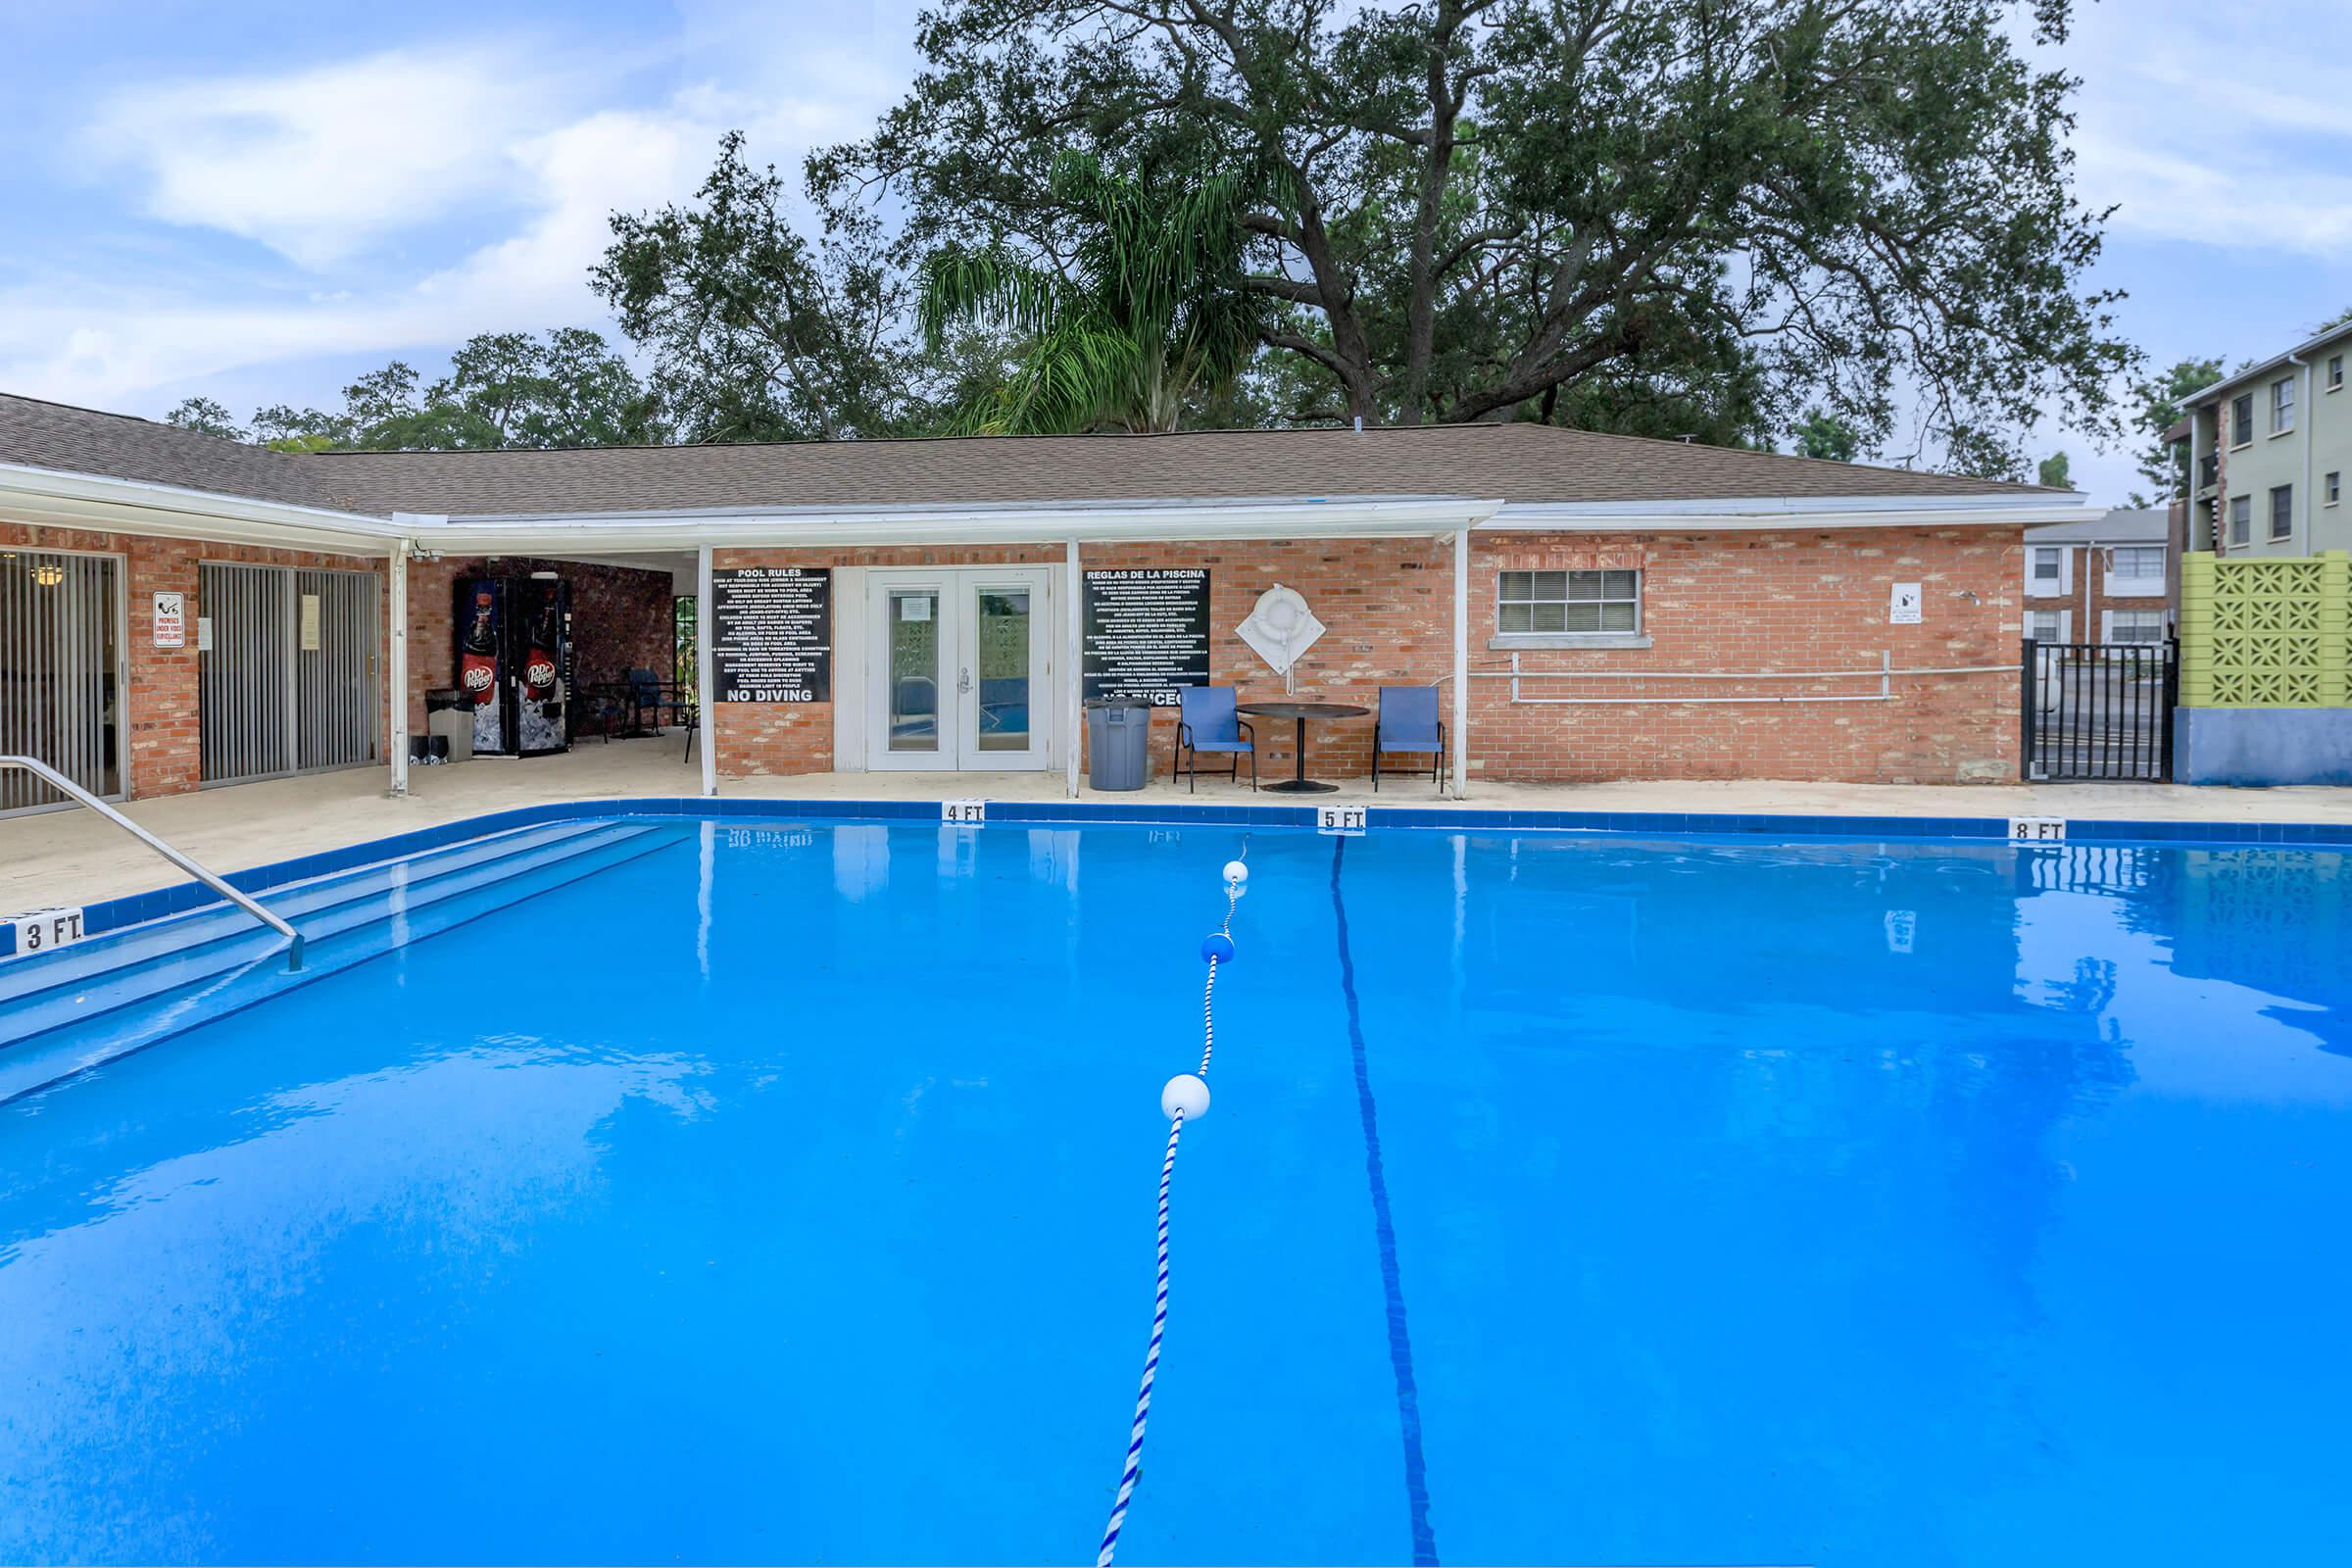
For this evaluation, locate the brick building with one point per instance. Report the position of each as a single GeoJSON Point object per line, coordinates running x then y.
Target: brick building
{"type": "Point", "coordinates": [1590, 607]}
{"type": "Point", "coordinates": [2108, 578]}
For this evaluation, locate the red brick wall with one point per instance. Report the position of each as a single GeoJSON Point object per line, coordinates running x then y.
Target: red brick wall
{"type": "Point", "coordinates": [620, 620]}
{"type": "Point", "coordinates": [1714, 603]}
{"type": "Point", "coordinates": [162, 697]}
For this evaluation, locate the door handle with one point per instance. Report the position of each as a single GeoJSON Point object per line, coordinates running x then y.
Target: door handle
{"type": "Point", "coordinates": [964, 679]}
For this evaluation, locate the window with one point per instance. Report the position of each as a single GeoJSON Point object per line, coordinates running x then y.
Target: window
{"type": "Point", "coordinates": [2045, 571]}
{"type": "Point", "coordinates": [2134, 625]}
{"type": "Point", "coordinates": [2136, 561]}
{"type": "Point", "coordinates": [2335, 488]}
{"type": "Point", "coordinates": [2336, 371]}
{"type": "Point", "coordinates": [2241, 420]}
{"type": "Point", "coordinates": [2047, 625]}
{"type": "Point", "coordinates": [2282, 510]}
{"type": "Point", "coordinates": [2283, 405]}
{"type": "Point", "coordinates": [1539, 602]}
{"type": "Point", "coordinates": [2241, 520]}
{"type": "Point", "coordinates": [681, 638]}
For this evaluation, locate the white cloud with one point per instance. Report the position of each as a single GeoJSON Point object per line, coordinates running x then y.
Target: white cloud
{"type": "Point", "coordinates": [319, 162]}
{"type": "Point", "coordinates": [2191, 123]}
{"type": "Point", "coordinates": [501, 142]}
{"type": "Point", "coordinates": [2177, 196]}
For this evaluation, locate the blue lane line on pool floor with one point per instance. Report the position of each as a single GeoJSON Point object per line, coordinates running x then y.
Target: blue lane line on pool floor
{"type": "Point", "coordinates": [1384, 1229]}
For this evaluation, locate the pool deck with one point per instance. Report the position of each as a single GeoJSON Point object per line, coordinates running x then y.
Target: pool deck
{"type": "Point", "coordinates": [76, 858]}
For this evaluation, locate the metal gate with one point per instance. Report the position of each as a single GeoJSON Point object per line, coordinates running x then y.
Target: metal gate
{"type": "Point", "coordinates": [287, 666]}
{"type": "Point", "coordinates": [2098, 711]}
{"type": "Point", "coordinates": [60, 679]}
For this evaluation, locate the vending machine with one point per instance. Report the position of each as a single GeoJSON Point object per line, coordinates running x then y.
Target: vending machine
{"type": "Point", "coordinates": [513, 637]}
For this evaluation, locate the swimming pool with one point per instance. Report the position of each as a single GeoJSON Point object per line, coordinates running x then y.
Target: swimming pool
{"type": "Point", "coordinates": [784, 1192]}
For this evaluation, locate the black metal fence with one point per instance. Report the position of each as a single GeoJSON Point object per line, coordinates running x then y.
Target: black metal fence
{"type": "Point", "coordinates": [2098, 711]}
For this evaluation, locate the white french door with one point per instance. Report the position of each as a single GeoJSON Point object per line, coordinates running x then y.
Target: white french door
{"type": "Point", "coordinates": [960, 669]}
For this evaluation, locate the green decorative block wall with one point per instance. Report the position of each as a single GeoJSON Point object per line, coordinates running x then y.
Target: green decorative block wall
{"type": "Point", "coordinates": [2265, 631]}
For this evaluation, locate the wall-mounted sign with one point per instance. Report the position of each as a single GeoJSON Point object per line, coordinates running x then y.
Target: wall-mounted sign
{"type": "Point", "coordinates": [771, 634]}
{"type": "Point", "coordinates": [204, 634]}
{"type": "Point", "coordinates": [1902, 605]}
{"type": "Point", "coordinates": [171, 621]}
{"type": "Point", "coordinates": [309, 623]}
{"type": "Point", "coordinates": [1145, 636]}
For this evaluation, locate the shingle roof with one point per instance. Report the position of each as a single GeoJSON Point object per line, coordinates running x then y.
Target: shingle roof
{"type": "Point", "coordinates": [55, 436]}
{"type": "Point", "coordinates": [1518, 462]}
{"type": "Point", "coordinates": [2123, 525]}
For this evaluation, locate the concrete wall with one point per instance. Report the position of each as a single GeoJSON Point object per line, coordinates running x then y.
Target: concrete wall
{"type": "Point", "coordinates": [162, 698]}
{"type": "Point", "coordinates": [2256, 747]}
{"type": "Point", "coordinates": [1791, 599]}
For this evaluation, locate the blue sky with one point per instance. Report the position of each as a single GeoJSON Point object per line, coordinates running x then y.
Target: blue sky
{"type": "Point", "coordinates": [257, 202]}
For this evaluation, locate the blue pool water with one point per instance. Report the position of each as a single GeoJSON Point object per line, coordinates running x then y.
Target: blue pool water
{"type": "Point", "coordinates": [786, 1193]}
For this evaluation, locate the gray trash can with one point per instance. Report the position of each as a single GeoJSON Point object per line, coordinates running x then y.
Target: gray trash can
{"type": "Point", "coordinates": [1118, 743]}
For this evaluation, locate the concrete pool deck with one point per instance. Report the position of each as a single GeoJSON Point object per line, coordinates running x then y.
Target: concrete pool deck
{"type": "Point", "coordinates": [74, 857]}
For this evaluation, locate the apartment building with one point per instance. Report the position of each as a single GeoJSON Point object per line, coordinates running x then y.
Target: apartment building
{"type": "Point", "coordinates": [2269, 448]}
{"type": "Point", "coordinates": [2103, 579]}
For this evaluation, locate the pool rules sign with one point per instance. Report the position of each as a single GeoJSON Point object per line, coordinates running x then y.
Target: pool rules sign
{"type": "Point", "coordinates": [771, 634]}
{"type": "Point", "coordinates": [1145, 633]}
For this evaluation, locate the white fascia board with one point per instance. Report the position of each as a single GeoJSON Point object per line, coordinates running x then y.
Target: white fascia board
{"type": "Point", "coordinates": [1784, 513]}
{"type": "Point", "coordinates": [98, 502]}
{"type": "Point", "coordinates": [1305, 519]}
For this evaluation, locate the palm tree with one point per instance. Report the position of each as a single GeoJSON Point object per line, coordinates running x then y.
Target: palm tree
{"type": "Point", "coordinates": [1148, 312]}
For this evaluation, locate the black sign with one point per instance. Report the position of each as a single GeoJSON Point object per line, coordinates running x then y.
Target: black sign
{"type": "Point", "coordinates": [771, 634]}
{"type": "Point", "coordinates": [1146, 633]}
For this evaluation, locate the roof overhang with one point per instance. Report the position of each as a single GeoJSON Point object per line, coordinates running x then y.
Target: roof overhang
{"type": "Point", "coordinates": [1784, 513]}
{"type": "Point", "coordinates": [2300, 354]}
{"type": "Point", "coordinates": [817, 527]}
{"type": "Point", "coordinates": [56, 498]}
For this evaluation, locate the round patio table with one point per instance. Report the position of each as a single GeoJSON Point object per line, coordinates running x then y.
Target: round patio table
{"type": "Point", "coordinates": [1300, 784]}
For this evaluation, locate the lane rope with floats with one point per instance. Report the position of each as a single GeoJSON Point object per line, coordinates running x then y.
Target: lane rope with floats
{"type": "Point", "coordinates": [1185, 1096]}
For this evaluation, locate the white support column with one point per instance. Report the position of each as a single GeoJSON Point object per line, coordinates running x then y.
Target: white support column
{"type": "Point", "coordinates": [706, 712]}
{"type": "Point", "coordinates": [396, 666]}
{"type": "Point", "coordinates": [1073, 669]}
{"type": "Point", "coordinates": [1461, 661]}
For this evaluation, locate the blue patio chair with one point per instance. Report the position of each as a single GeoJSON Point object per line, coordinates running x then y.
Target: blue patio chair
{"type": "Point", "coordinates": [1408, 722]}
{"type": "Point", "coordinates": [1205, 722]}
{"type": "Point", "coordinates": [645, 696]}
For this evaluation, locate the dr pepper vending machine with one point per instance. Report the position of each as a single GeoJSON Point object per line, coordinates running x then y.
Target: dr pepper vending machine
{"type": "Point", "coordinates": [514, 663]}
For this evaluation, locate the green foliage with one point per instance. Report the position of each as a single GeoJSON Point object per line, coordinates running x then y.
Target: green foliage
{"type": "Point", "coordinates": [565, 388]}
{"type": "Point", "coordinates": [1822, 434]}
{"type": "Point", "coordinates": [1654, 212]}
{"type": "Point", "coordinates": [2157, 402]}
{"type": "Point", "coordinates": [1146, 319]}
{"type": "Point", "coordinates": [757, 334]}
{"type": "Point", "coordinates": [206, 418]}
{"type": "Point", "coordinates": [2051, 472]}
{"type": "Point", "coordinates": [2342, 318]}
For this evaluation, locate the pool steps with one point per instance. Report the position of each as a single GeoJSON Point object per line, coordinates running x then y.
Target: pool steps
{"type": "Point", "coordinates": [133, 987]}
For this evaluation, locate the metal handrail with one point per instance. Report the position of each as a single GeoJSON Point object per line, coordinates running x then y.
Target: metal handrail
{"type": "Point", "coordinates": [66, 786]}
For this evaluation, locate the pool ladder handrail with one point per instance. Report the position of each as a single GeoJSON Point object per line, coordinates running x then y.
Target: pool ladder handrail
{"type": "Point", "coordinates": [66, 786]}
